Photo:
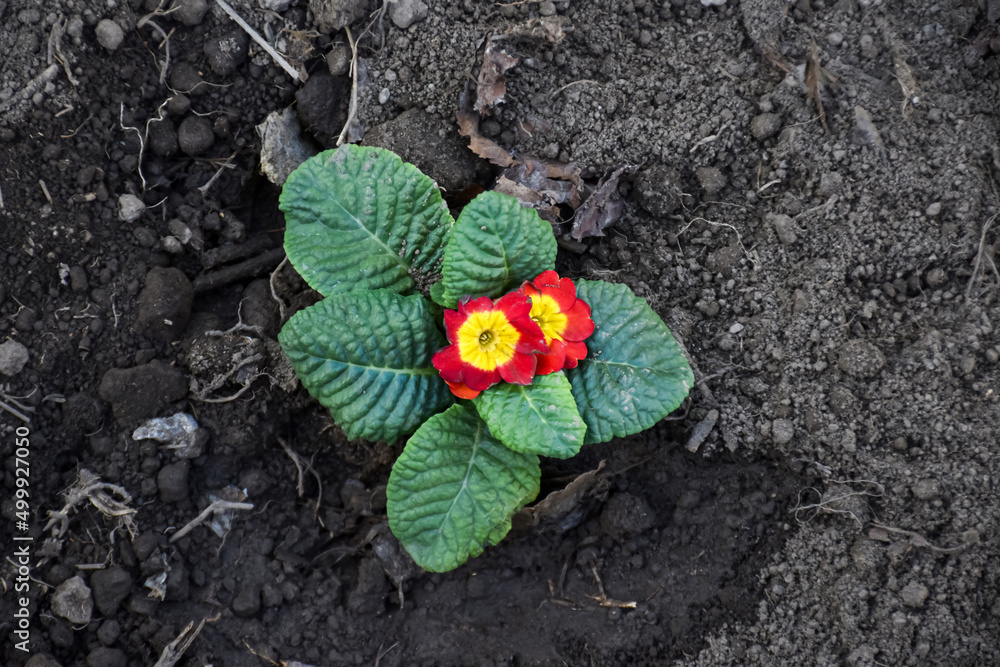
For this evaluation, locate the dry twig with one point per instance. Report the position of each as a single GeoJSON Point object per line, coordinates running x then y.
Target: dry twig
{"type": "Point", "coordinates": [217, 507]}
{"type": "Point", "coordinates": [255, 36]}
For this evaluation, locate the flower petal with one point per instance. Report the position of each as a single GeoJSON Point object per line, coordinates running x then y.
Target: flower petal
{"type": "Point", "coordinates": [561, 290]}
{"type": "Point", "coordinates": [578, 322]}
{"type": "Point", "coordinates": [574, 352]}
{"type": "Point", "coordinates": [462, 390]}
{"type": "Point", "coordinates": [478, 379]}
{"type": "Point", "coordinates": [519, 370]}
{"type": "Point", "coordinates": [514, 305]}
{"type": "Point", "coordinates": [449, 363]}
{"type": "Point", "coordinates": [532, 339]}
{"type": "Point", "coordinates": [553, 361]}
{"type": "Point", "coordinates": [453, 320]}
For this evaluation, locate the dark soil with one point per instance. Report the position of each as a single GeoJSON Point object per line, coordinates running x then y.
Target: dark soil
{"type": "Point", "coordinates": [837, 292]}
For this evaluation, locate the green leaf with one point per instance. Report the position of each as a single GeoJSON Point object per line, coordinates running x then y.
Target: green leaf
{"type": "Point", "coordinates": [367, 357]}
{"type": "Point", "coordinates": [361, 218]}
{"type": "Point", "coordinates": [496, 245]}
{"type": "Point", "coordinates": [437, 293]}
{"type": "Point", "coordinates": [540, 418]}
{"type": "Point", "coordinates": [635, 373]}
{"type": "Point", "coordinates": [454, 488]}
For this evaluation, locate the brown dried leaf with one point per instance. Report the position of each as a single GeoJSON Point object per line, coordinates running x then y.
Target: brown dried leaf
{"type": "Point", "coordinates": [815, 78]}
{"type": "Point", "coordinates": [542, 185]}
{"type": "Point", "coordinates": [602, 208]}
{"type": "Point", "coordinates": [491, 86]}
{"type": "Point", "coordinates": [560, 503]}
{"type": "Point", "coordinates": [867, 130]}
{"type": "Point", "coordinates": [547, 28]}
{"type": "Point", "coordinates": [468, 126]}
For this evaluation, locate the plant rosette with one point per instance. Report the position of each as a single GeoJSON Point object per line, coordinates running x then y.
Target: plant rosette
{"type": "Point", "coordinates": [521, 363]}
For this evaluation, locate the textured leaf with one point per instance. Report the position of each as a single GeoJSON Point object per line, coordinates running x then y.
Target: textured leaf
{"type": "Point", "coordinates": [540, 418]}
{"type": "Point", "coordinates": [495, 246]}
{"type": "Point", "coordinates": [635, 373]}
{"type": "Point", "coordinates": [361, 218]}
{"type": "Point", "coordinates": [367, 357]}
{"type": "Point", "coordinates": [454, 488]}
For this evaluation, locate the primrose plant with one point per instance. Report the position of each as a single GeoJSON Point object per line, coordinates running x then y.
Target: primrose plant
{"type": "Point", "coordinates": [510, 362]}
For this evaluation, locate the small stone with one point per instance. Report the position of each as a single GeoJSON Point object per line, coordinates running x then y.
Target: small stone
{"type": "Point", "coordinates": [547, 8]}
{"type": "Point", "coordinates": [141, 392]}
{"type": "Point", "coordinates": [111, 587]}
{"type": "Point", "coordinates": [130, 208]}
{"type": "Point", "coordinates": [227, 52]}
{"type": "Point", "coordinates": [383, 96]}
{"type": "Point", "coordinates": [13, 357]}
{"type": "Point", "coordinates": [247, 600]}
{"type": "Point", "coordinates": [332, 15]}
{"type": "Point", "coordinates": [42, 660]}
{"type": "Point", "coordinates": [172, 481]}
{"type": "Point", "coordinates": [162, 137]}
{"type": "Point", "coordinates": [164, 304]}
{"type": "Point", "coordinates": [860, 359]}
{"type": "Point", "coordinates": [830, 183]}
{"type": "Point", "coordinates": [109, 632]}
{"type": "Point", "coordinates": [927, 489]}
{"type": "Point", "coordinates": [275, 5]}
{"type": "Point", "coordinates": [711, 180]}
{"type": "Point", "coordinates": [765, 125]}
{"type": "Point", "coordinates": [195, 135]}
{"type": "Point", "coordinates": [736, 328]}
{"type": "Point", "coordinates": [73, 602]}
{"type": "Point", "coordinates": [109, 34]}
{"type": "Point", "coordinates": [782, 430]}
{"type": "Point", "coordinates": [103, 656]}
{"type": "Point", "coordinates": [914, 594]}
{"type": "Point", "coordinates": [936, 277]}
{"type": "Point", "coordinates": [189, 12]}
{"type": "Point", "coordinates": [934, 209]}
{"type": "Point", "coordinates": [338, 60]}
{"type": "Point", "coordinates": [405, 13]}
{"type": "Point", "coordinates": [784, 227]}
{"type": "Point", "coordinates": [835, 39]}
{"type": "Point", "coordinates": [78, 281]}
{"type": "Point", "coordinates": [179, 433]}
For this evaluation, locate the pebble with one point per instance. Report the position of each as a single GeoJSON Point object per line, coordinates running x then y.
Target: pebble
{"type": "Point", "coordinates": [42, 660]}
{"type": "Point", "coordinates": [142, 391]}
{"type": "Point", "coordinates": [172, 481]}
{"type": "Point", "coordinates": [72, 601]}
{"type": "Point", "coordinates": [711, 180]}
{"type": "Point", "coordinates": [13, 357]}
{"type": "Point", "coordinates": [332, 15]}
{"type": "Point", "coordinates": [736, 328]}
{"type": "Point", "coordinates": [164, 305]}
{"type": "Point", "coordinates": [934, 209]}
{"type": "Point", "coordinates": [383, 96]}
{"type": "Point", "coordinates": [195, 135]}
{"type": "Point", "coordinates": [784, 227]}
{"type": "Point", "coordinates": [189, 12]}
{"type": "Point", "coordinates": [109, 34]}
{"type": "Point", "coordinates": [782, 430]}
{"type": "Point", "coordinates": [227, 52]}
{"type": "Point", "coordinates": [130, 208]}
{"type": "Point", "coordinates": [765, 125]}
{"type": "Point", "coordinates": [405, 13]}
{"type": "Point", "coordinates": [180, 433]}
{"type": "Point", "coordinates": [860, 359]}
{"type": "Point", "coordinates": [927, 489]}
{"type": "Point", "coordinates": [186, 79]}
{"type": "Point", "coordinates": [338, 60]}
{"type": "Point", "coordinates": [247, 600]}
{"type": "Point", "coordinates": [835, 39]}
{"type": "Point", "coordinates": [103, 656]}
{"type": "Point", "coordinates": [830, 183]}
{"type": "Point", "coordinates": [110, 587]}
{"type": "Point", "coordinates": [914, 594]}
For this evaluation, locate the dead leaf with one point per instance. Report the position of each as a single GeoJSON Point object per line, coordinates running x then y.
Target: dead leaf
{"type": "Point", "coordinates": [560, 503]}
{"type": "Point", "coordinates": [547, 28]}
{"type": "Point", "coordinates": [542, 185]}
{"type": "Point", "coordinates": [468, 126]}
{"type": "Point", "coordinates": [816, 79]}
{"type": "Point", "coordinates": [491, 86]}
{"type": "Point", "coordinates": [867, 130]}
{"type": "Point", "coordinates": [602, 208]}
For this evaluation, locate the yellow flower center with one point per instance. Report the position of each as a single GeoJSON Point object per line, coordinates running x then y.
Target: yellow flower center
{"type": "Point", "coordinates": [486, 340]}
{"type": "Point", "coordinates": [545, 311]}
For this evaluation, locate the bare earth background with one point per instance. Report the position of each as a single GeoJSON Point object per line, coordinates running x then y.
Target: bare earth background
{"type": "Point", "coordinates": [837, 292]}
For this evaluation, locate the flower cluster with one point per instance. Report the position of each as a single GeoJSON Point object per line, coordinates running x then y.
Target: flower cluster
{"type": "Point", "coordinates": [537, 330]}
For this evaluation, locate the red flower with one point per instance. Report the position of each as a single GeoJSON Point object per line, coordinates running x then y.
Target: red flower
{"type": "Point", "coordinates": [563, 318]}
{"type": "Point", "coordinates": [490, 341]}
